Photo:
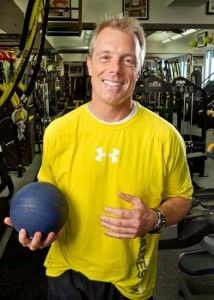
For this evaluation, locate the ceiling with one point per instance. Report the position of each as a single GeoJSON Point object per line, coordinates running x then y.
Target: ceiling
{"type": "Point", "coordinates": [14, 10]}
{"type": "Point", "coordinates": [187, 3]}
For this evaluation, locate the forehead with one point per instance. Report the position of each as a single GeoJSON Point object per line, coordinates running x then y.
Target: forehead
{"type": "Point", "coordinates": [113, 37]}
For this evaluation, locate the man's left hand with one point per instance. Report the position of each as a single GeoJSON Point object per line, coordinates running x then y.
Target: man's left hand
{"type": "Point", "coordinates": [129, 223]}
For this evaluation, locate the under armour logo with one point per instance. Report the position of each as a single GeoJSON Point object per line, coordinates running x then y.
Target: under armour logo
{"type": "Point", "coordinates": [113, 155]}
{"type": "Point", "coordinates": [101, 154]}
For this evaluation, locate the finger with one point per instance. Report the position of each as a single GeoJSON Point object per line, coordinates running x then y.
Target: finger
{"type": "Point", "coordinates": [136, 201]}
{"type": "Point", "coordinates": [49, 240]}
{"type": "Point", "coordinates": [32, 243]}
{"type": "Point", "coordinates": [23, 238]}
{"type": "Point", "coordinates": [117, 221]}
{"type": "Point", "coordinates": [119, 229]}
{"type": "Point", "coordinates": [36, 241]}
{"type": "Point", "coordinates": [119, 212]}
{"type": "Point", "coordinates": [8, 221]}
{"type": "Point", "coordinates": [119, 235]}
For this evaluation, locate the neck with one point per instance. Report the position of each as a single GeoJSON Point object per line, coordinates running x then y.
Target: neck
{"type": "Point", "coordinates": [108, 113]}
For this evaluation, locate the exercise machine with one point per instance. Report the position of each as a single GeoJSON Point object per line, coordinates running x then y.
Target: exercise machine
{"type": "Point", "coordinates": [14, 114]}
{"type": "Point", "coordinates": [198, 263]}
{"type": "Point", "coordinates": [197, 228]}
{"type": "Point", "coordinates": [189, 99]}
{"type": "Point", "coordinates": [6, 190]}
{"type": "Point", "coordinates": [158, 97]}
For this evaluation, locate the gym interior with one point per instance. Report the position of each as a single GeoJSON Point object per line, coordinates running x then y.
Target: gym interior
{"type": "Point", "coordinates": [43, 75]}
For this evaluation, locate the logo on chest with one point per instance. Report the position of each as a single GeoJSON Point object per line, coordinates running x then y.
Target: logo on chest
{"type": "Point", "coordinates": [101, 155]}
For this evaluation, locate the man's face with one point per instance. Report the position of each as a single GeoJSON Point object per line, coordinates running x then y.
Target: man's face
{"type": "Point", "coordinates": [114, 66]}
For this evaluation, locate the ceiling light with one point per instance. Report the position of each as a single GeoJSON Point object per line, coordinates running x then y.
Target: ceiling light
{"type": "Point", "coordinates": [189, 31]}
{"type": "Point", "coordinates": [177, 36]}
{"type": "Point", "coordinates": [166, 41]}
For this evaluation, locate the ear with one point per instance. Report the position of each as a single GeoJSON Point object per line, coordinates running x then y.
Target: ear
{"type": "Point", "coordinates": [89, 65]}
{"type": "Point", "coordinates": [139, 73]}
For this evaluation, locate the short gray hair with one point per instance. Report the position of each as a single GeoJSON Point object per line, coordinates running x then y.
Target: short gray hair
{"type": "Point", "coordinates": [125, 24]}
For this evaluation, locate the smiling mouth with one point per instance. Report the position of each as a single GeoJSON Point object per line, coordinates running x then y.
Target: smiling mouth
{"type": "Point", "coordinates": [112, 83]}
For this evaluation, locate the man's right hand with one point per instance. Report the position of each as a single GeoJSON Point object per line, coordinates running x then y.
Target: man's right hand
{"type": "Point", "coordinates": [37, 242]}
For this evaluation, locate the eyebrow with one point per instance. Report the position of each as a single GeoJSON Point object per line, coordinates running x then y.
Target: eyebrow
{"type": "Point", "coordinates": [103, 52]}
{"type": "Point", "coordinates": [109, 52]}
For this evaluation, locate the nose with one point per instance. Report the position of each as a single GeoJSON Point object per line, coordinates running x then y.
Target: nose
{"type": "Point", "coordinates": [115, 66]}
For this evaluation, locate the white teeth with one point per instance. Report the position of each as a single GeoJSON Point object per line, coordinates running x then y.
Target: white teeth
{"type": "Point", "coordinates": [112, 83]}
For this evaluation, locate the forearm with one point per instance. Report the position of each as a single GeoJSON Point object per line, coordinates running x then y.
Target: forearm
{"type": "Point", "coordinates": [141, 219]}
{"type": "Point", "coordinates": [175, 209]}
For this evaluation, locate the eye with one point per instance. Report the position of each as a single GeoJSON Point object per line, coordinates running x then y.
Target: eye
{"type": "Point", "coordinates": [104, 58]}
{"type": "Point", "coordinates": [129, 61]}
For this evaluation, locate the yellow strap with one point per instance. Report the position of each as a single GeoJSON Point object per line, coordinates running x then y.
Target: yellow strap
{"type": "Point", "coordinates": [16, 102]}
{"type": "Point", "coordinates": [210, 147]}
{"type": "Point", "coordinates": [32, 32]}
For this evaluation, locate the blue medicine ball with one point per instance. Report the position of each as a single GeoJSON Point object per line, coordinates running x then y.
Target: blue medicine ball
{"type": "Point", "coordinates": [38, 206]}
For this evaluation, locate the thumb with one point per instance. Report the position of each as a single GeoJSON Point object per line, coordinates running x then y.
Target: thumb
{"type": "Point", "coordinates": [8, 221]}
{"type": "Point", "coordinates": [136, 201]}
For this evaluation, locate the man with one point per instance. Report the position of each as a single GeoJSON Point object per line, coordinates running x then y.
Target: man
{"type": "Point", "coordinates": [124, 173]}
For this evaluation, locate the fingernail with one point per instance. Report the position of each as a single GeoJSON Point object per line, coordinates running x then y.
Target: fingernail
{"type": "Point", "coordinates": [22, 231]}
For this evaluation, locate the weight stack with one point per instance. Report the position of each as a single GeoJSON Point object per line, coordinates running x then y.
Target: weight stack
{"type": "Point", "coordinates": [28, 144]}
{"type": "Point", "coordinates": [17, 153]}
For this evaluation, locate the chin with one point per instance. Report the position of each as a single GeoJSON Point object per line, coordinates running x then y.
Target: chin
{"type": "Point", "coordinates": [117, 102]}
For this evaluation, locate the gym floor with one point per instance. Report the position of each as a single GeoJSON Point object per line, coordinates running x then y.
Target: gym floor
{"type": "Point", "coordinates": [22, 275]}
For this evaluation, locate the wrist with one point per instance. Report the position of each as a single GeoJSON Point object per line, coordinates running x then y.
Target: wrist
{"type": "Point", "coordinates": [160, 223]}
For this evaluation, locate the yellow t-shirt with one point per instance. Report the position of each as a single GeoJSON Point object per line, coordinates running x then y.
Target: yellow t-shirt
{"type": "Point", "coordinates": [91, 161]}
